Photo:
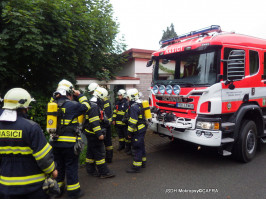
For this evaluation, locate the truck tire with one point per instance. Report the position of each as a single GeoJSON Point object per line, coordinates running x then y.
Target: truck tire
{"type": "Point", "coordinates": [246, 145]}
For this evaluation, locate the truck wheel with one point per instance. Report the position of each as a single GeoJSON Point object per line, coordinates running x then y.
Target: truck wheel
{"type": "Point", "coordinates": [246, 145]}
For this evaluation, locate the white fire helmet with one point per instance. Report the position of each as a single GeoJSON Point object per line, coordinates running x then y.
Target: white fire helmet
{"type": "Point", "coordinates": [17, 98]}
{"type": "Point", "coordinates": [65, 86]}
{"type": "Point", "coordinates": [133, 94]}
{"type": "Point", "coordinates": [122, 92]}
{"type": "Point", "coordinates": [92, 87]}
{"type": "Point", "coordinates": [100, 92]}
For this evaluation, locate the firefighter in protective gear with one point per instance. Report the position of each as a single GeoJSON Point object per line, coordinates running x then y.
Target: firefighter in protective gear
{"type": "Point", "coordinates": [105, 106]}
{"type": "Point", "coordinates": [119, 120]}
{"type": "Point", "coordinates": [25, 156]}
{"type": "Point", "coordinates": [136, 130]}
{"type": "Point", "coordinates": [106, 123]}
{"type": "Point", "coordinates": [95, 157]}
{"type": "Point", "coordinates": [65, 157]}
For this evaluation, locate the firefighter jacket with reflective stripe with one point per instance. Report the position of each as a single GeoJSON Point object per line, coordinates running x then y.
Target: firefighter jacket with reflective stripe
{"type": "Point", "coordinates": [136, 120]}
{"type": "Point", "coordinates": [25, 157]}
{"type": "Point", "coordinates": [92, 124]}
{"type": "Point", "coordinates": [69, 121]}
{"type": "Point", "coordinates": [107, 109]}
{"type": "Point", "coordinates": [120, 111]}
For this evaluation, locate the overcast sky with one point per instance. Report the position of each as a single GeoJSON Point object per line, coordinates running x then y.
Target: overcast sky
{"type": "Point", "coordinates": [142, 21]}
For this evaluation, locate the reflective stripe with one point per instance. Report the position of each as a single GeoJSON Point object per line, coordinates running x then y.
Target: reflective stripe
{"type": "Point", "coordinates": [141, 126]}
{"type": "Point", "coordinates": [39, 155]}
{"type": "Point", "coordinates": [109, 148]}
{"type": "Point", "coordinates": [133, 121]}
{"type": "Point", "coordinates": [100, 162]}
{"type": "Point", "coordinates": [10, 101]}
{"type": "Point", "coordinates": [120, 112]}
{"type": "Point", "coordinates": [88, 160]}
{"type": "Point", "coordinates": [87, 105]}
{"type": "Point", "coordinates": [110, 119]}
{"type": "Point", "coordinates": [81, 99]}
{"type": "Point", "coordinates": [60, 184]}
{"type": "Point", "coordinates": [137, 164]}
{"type": "Point", "coordinates": [94, 119]}
{"type": "Point", "coordinates": [67, 121]}
{"type": "Point", "coordinates": [140, 116]}
{"type": "Point", "coordinates": [50, 169]}
{"type": "Point", "coordinates": [120, 123]}
{"type": "Point", "coordinates": [121, 139]}
{"type": "Point", "coordinates": [114, 115]}
{"type": "Point", "coordinates": [21, 180]}
{"type": "Point", "coordinates": [97, 128]}
{"type": "Point", "coordinates": [67, 139]}
{"type": "Point", "coordinates": [16, 150]}
{"type": "Point", "coordinates": [144, 159]}
{"type": "Point", "coordinates": [106, 105]}
{"type": "Point", "coordinates": [89, 131]}
{"type": "Point", "coordinates": [73, 187]}
{"type": "Point", "coordinates": [131, 129]}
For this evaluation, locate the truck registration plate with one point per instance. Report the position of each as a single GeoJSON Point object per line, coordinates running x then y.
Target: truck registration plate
{"type": "Point", "coordinates": [185, 105]}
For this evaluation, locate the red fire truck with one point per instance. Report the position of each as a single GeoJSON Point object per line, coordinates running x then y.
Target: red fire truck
{"type": "Point", "coordinates": [209, 88]}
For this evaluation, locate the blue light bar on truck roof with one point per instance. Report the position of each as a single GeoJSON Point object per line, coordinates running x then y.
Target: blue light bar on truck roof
{"type": "Point", "coordinates": [212, 28]}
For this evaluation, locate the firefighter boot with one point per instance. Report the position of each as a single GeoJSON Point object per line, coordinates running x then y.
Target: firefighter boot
{"type": "Point", "coordinates": [104, 171]}
{"type": "Point", "coordinates": [121, 146]}
{"type": "Point", "coordinates": [91, 169]}
{"type": "Point", "coordinates": [133, 170]}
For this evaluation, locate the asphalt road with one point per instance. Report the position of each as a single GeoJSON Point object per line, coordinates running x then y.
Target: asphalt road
{"type": "Point", "coordinates": [179, 170]}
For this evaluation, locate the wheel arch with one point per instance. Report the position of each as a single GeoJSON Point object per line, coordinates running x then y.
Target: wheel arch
{"type": "Point", "coordinates": [249, 112]}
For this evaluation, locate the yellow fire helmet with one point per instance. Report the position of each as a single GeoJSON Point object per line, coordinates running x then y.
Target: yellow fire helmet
{"type": "Point", "coordinates": [100, 92]}
{"type": "Point", "coordinates": [92, 87]}
{"type": "Point", "coordinates": [133, 94]}
{"type": "Point", "coordinates": [17, 98]}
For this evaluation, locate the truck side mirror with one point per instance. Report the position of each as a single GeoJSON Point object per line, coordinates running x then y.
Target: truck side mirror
{"type": "Point", "coordinates": [149, 63]}
{"type": "Point", "coordinates": [236, 65]}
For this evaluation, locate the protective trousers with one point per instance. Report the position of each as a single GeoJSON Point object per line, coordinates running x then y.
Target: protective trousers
{"type": "Point", "coordinates": [67, 163]}
{"type": "Point", "coordinates": [122, 134]}
{"type": "Point", "coordinates": [95, 156]}
{"type": "Point", "coordinates": [108, 145]}
{"type": "Point", "coordinates": [39, 194]}
{"type": "Point", "coordinates": [138, 144]}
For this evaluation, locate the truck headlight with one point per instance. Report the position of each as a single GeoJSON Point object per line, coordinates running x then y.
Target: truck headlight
{"type": "Point", "coordinates": [176, 89]}
{"type": "Point", "coordinates": [208, 125]}
{"type": "Point", "coordinates": [169, 89]}
{"type": "Point", "coordinates": [155, 89]}
{"type": "Point", "coordinates": [162, 89]}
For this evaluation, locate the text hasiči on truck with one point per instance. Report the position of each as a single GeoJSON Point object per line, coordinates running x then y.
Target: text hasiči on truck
{"type": "Point", "coordinates": [209, 88]}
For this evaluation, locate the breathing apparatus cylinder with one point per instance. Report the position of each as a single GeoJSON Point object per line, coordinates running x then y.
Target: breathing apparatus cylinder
{"type": "Point", "coordinates": [80, 119]}
{"type": "Point", "coordinates": [147, 110]}
{"type": "Point", "coordinates": [52, 110]}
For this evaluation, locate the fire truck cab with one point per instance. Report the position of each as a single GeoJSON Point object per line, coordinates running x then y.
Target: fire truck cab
{"type": "Point", "coordinates": [209, 88]}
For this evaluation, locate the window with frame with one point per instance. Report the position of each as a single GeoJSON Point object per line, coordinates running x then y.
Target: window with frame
{"type": "Point", "coordinates": [253, 62]}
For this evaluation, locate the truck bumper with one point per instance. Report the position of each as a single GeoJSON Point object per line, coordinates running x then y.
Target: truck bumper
{"type": "Point", "coordinates": [213, 139]}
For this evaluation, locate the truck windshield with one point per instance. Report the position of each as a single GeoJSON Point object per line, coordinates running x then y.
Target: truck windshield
{"type": "Point", "coordinates": [195, 68]}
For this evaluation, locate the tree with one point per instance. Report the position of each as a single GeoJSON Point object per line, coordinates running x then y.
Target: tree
{"type": "Point", "coordinates": [169, 33]}
{"type": "Point", "coordinates": [44, 41]}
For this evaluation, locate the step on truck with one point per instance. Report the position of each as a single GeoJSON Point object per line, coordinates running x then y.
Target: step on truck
{"type": "Point", "coordinates": [209, 88]}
